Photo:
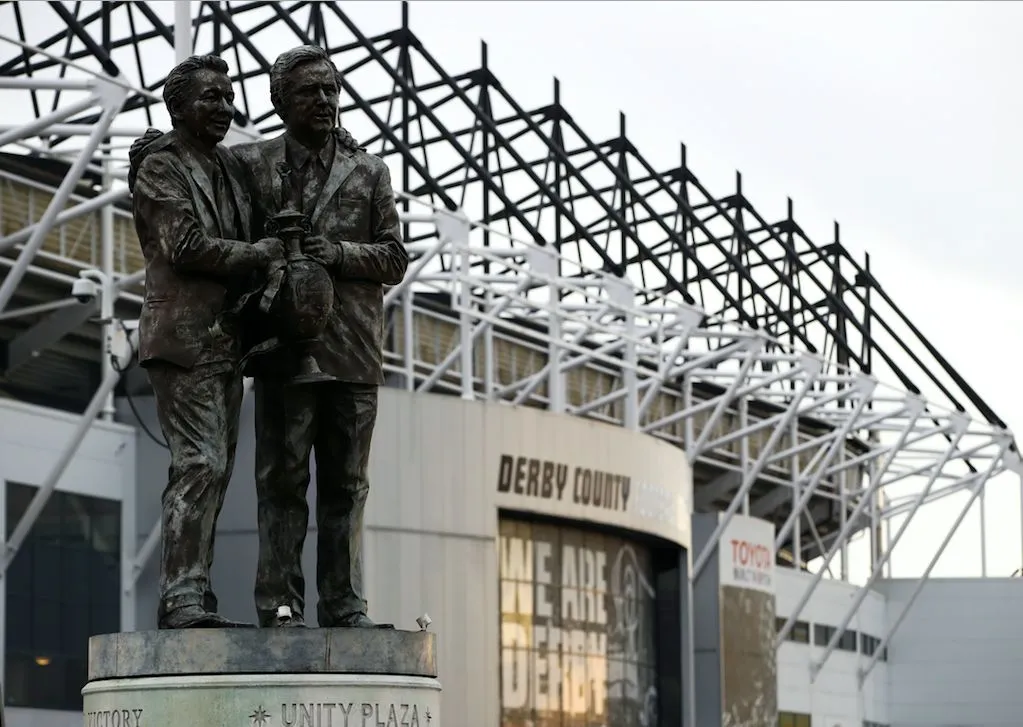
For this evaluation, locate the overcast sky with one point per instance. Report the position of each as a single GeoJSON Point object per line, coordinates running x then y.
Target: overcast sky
{"type": "Point", "coordinates": [899, 120]}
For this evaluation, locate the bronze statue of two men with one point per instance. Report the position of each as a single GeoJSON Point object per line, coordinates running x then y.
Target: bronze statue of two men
{"type": "Point", "coordinates": [266, 259]}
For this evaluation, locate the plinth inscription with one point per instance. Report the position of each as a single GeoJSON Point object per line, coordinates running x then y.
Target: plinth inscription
{"type": "Point", "coordinates": [347, 714]}
{"type": "Point", "coordinates": [114, 718]}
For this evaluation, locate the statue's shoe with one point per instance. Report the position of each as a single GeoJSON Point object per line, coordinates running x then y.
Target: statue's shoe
{"type": "Point", "coordinates": [195, 617]}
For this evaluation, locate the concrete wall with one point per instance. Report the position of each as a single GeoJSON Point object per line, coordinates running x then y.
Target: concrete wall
{"type": "Point", "coordinates": [439, 475]}
{"type": "Point", "coordinates": [31, 440]}
{"type": "Point", "coordinates": [834, 698]}
{"type": "Point", "coordinates": [957, 660]}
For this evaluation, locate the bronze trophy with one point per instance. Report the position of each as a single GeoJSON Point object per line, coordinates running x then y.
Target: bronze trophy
{"type": "Point", "coordinates": [307, 292]}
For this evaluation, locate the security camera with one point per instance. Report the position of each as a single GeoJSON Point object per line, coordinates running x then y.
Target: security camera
{"type": "Point", "coordinates": [85, 290]}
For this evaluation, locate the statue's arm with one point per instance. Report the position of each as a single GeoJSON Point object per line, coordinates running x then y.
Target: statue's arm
{"type": "Point", "coordinates": [385, 259]}
{"type": "Point", "coordinates": [162, 196]}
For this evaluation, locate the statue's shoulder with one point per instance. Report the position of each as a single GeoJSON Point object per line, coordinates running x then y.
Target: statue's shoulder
{"type": "Point", "coordinates": [371, 159]}
{"type": "Point", "coordinates": [249, 152]}
{"type": "Point", "coordinates": [252, 152]}
{"type": "Point", "coordinates": [157, 155]}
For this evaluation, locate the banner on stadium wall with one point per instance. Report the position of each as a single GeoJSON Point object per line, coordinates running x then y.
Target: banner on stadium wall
{"type": "Point", "coordinates": [746, 554]}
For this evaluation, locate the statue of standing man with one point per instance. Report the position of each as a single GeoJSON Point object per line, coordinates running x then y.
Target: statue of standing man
{"type": "Point", "coordinates": [352, 229]}
{"type": "Point", "coordinates": [192, 219]}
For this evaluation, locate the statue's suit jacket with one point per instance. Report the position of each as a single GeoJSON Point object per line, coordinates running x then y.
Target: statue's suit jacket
{"type": "Point", "coordinates": [190, 267]}
{"type": "Point", "coordinates": [355, 210]}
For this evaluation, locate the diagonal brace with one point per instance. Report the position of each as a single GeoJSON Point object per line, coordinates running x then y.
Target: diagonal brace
{"type": "Point", "coordinates": [978, 487]}
{"type": "Point", "coordinates": [960, 424]}
{"type": "Point", "coordinates": [915, 407]}
{"type": "Point", "coordinates": [811, 368]}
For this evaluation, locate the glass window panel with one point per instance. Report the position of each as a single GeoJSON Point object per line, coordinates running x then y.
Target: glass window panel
{"type": "Point", "coordinates": [46, 580]}
{"type": "Point", "coordinates": [63, 587]}
{"type": "Point", "coordinates": [822, 634]}
{"type": "Point", "coordinates": [75, 525]}
{"type": "Point", "coordinates": [77, 562]}
{"type": "Point", "coordinates": [103, 619]}
{"type": "Point", "coordinates": [19, 574]}
{"type": "Point", "coordinates": [800, 632]}
{"type": "Point", "coordinates": [46, 626]}
{"type": "Point", "coordinates": [74, 623]}
{"type": "Point", "coordinates": [19, 625]}
{"type": "Point", "coordinates": [76, 674]}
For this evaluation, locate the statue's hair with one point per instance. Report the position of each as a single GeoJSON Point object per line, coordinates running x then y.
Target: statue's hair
{"type": "Point", "coordinates": [287, 62]}
{"type": "Point", "coordinates": [178, 83]}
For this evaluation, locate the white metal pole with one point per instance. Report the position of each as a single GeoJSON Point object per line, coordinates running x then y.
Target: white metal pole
{"type": "Point", "coordinates": [489, 355]}
{"type": "Point", "coordinates": [555, 376]}
{"type": "Point", "coordinates": [981, 504]}
{"type": "Point", "coordinates": [630, 416]}
{"type": "Point", "coordinates": [182, 29]}
{"type": "Point", "coordinates": [31, 310]}
{"type": "Point", "coordinates": [408, 340]}
{"type": "Point", "coordinates": [467, 339]}
{"type": "Point", "coordinates": [33, 128]}
{"type": "Point", "coordinates": [107, 294]}
{"type": "Point", "coordinates": [60, 198]}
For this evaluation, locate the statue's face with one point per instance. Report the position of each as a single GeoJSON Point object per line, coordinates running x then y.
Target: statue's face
{"type": "Point", "coordinates": [312, 100]}
{"type": "Point", "coordinates": [209, 108]}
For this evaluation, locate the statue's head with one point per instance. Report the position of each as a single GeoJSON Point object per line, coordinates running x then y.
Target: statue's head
{"type": "Point", "coordinates": [305, 90]}
{"type": "Point", "coordinates": [199, 98]}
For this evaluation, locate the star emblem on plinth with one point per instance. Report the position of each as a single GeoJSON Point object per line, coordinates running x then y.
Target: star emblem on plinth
{"type": "Point", "coordinates": [428, 715]}
{"type": "Point", "coordinates": [260, 717]}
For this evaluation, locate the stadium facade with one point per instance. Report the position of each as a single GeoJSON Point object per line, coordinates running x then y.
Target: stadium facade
{"type": "Point", "coordinates": [630, 434]}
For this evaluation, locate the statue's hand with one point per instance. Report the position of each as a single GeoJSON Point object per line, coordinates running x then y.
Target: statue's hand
{"type": "Point", "coordinates": [270, 249]}
{"type": "Point", "coordinates": [322, 249]}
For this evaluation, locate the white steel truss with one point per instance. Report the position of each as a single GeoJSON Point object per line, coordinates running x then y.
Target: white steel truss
{"type": "Point", "coordinates": [484, 316]}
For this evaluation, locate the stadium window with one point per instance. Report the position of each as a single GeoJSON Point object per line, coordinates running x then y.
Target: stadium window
{"type": "Point", "coordinates": [793, 719]}
{"type": "Point", "coordinates": [63, 586]}
{"type": "Point", "coordinates": [848, 641]}
{"type": "Point", "coordinates": [822, 634]}
{"type": "Point", "coordinates": [800, 632]}
{"type": "Point", "coordinates": [869, 644]}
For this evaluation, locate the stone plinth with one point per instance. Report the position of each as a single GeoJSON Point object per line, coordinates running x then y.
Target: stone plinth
{"type": "Point", "coordinates": [263, 678]}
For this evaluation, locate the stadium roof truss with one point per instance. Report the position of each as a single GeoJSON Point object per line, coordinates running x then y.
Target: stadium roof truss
{"type": "Point", "coordinates": [548, 269]}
